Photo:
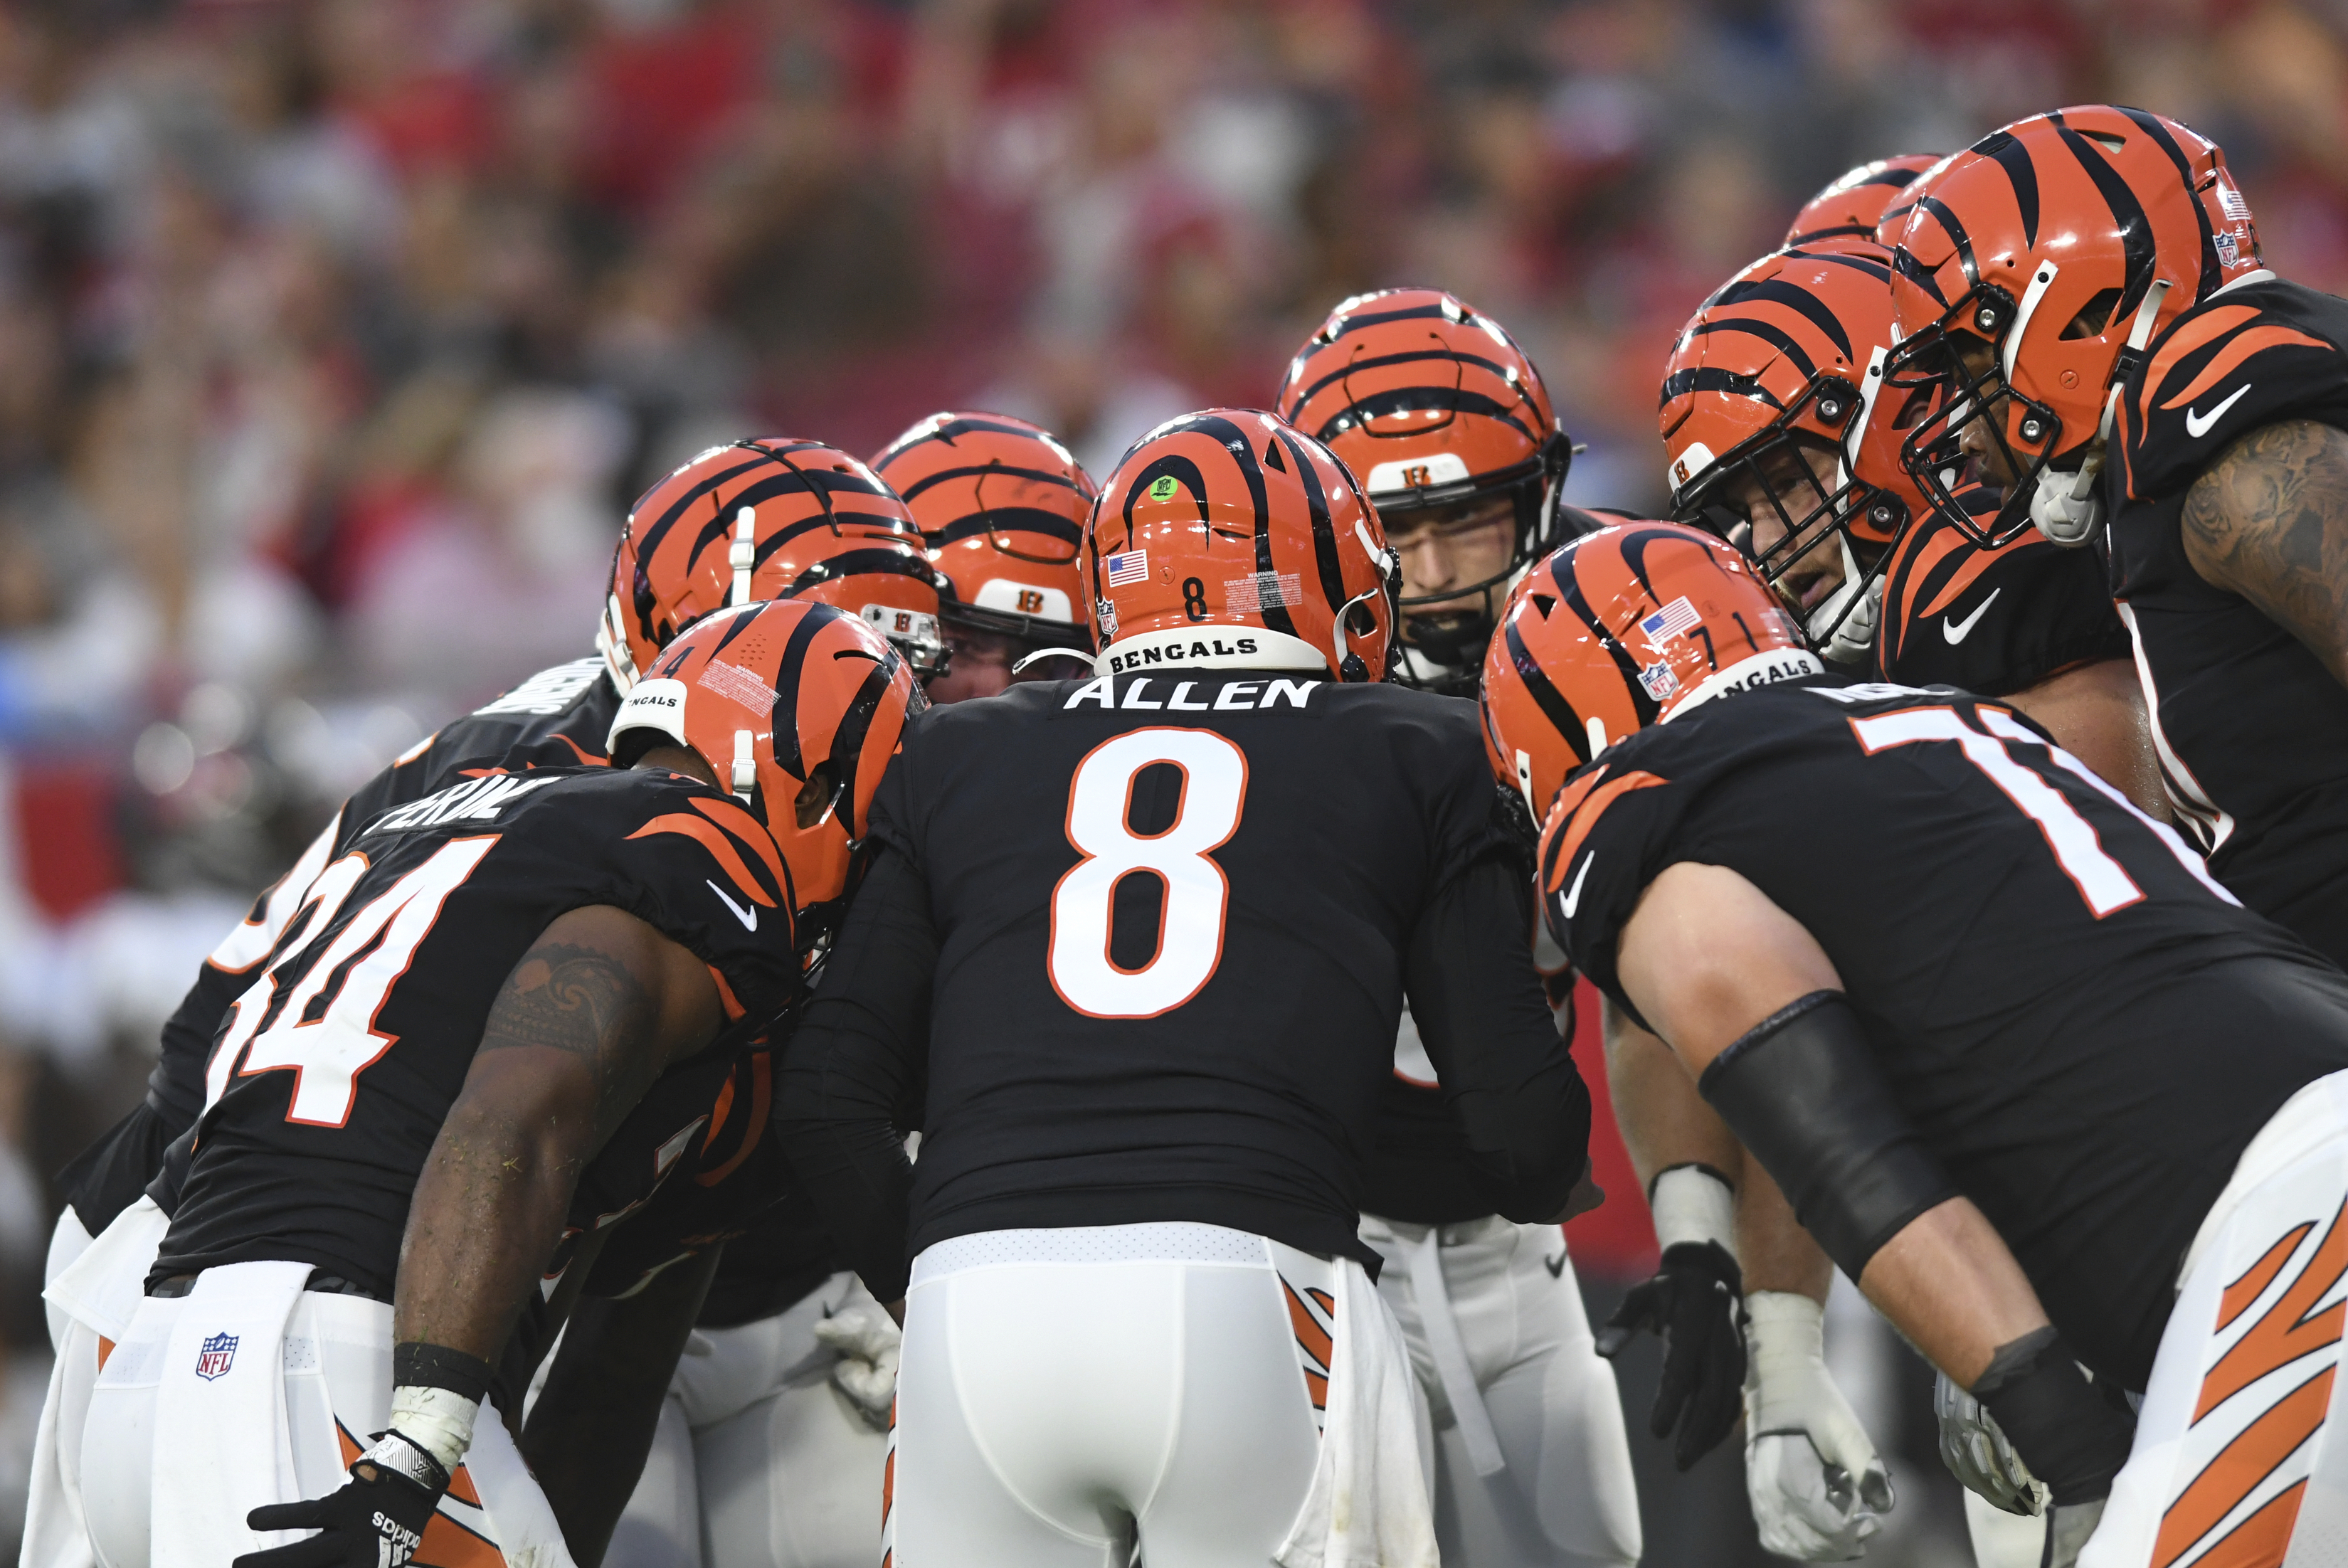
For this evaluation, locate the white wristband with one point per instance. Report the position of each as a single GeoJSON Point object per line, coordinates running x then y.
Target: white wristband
{"type": "Point", "coordinates": [1691, 1204]}
{"type": "Point", "coordinates": [437, 1421]}
{"type": "Point", "coordinates": [1784, 1327]}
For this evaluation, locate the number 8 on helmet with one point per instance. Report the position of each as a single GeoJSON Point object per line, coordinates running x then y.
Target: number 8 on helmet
{"type": "Point", "coordinates": [1232, 534]}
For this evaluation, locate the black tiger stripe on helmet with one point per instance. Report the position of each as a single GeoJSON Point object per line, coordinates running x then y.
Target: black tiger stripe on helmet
{"type": "Point", "coordinates": [784, 517]}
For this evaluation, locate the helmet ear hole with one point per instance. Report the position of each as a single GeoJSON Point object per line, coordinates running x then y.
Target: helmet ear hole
{"type": "Point", "coordinates": [816, 795]}
{"type": "Point", "coordinates": [1360, 622]}
{"type": "Point", "coordinates": [2094, 316]}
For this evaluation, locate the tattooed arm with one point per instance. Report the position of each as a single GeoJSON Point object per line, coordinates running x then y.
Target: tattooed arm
{"type": "Point", "coordinates": [596, 1009]}
{"type": "Point", "coordinates": [2269, 521]}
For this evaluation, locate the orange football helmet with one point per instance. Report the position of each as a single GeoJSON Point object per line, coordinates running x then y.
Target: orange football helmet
{"type": "Point", "coordinates": [1002, 505]}
{"type": "Point", "coordinates": [795, 706]}
{"type": "Point", "coordinates": [1618, 630]}
{"type": "Point", "coordinates": [1232, 519]}
{"type": "Point", "coordinates": [1432, 402]}
{"type": "Point", "coordinates": [1776, 433]}
{"type": "Point", "coordinates": [1853, 203]}
{"type": "Point", "coordinates": [2032, 271]}
{"type": "Point", "coordinates": [767, 518]}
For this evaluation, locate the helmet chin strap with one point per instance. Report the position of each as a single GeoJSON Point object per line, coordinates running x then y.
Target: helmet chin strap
{"type": "Point", "coordinates": [1827, 619]}
{"type": "Point", "coordinates": [746, 767]}
{"type": "Point", "coordinates": [1361, 670]}
{"type": "Point", "coordinates": [743, 554]}
{"type": "Point", "coordinates": [1871, 388]}
{"type": "Point", "coordinates": [1040, 654]}
{"type": "Point", "coordinates": [2066, 507]}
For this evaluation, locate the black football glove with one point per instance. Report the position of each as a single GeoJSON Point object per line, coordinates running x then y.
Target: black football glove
{"type": "Point", "coordinates": [1696, 1301]}
{"type": "Point", "coordinates": [376, 1520]}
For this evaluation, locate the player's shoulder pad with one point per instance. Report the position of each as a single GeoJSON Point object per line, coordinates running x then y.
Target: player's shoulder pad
{"type": "Point", "coordinates": [1587, 792]}
{"type": "Point", "coordinates": [2238, 361]}
{"type": "Point", "coordinates": [1730, 729]}
{"type": "Point", "coordinates": [659, 816]}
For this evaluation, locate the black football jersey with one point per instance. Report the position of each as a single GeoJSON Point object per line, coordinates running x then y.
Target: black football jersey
{"type": "Point", "coordinates": [698, 1172]}
{"type": "Point", "coordinates": [1422, 1172]}
{"type": "Point", "coordinates": [1184, 865]}
{"type": "Point", "coordinates": [2252, 729]}
{"type": "Point", "coordinates": [2087, 1029]}
{"type": "Point", "coordinates": [334, 1068]}
{"type": "Point", "coordinates": [1991, 621]}
{"type": "Point", "coordinates": [556, 719]}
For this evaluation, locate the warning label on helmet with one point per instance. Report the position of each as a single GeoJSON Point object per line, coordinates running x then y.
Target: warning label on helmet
{"type": "Point", "coordinates": [740, 685]}
{"type": "Point", "coordinates": [1261, 590]}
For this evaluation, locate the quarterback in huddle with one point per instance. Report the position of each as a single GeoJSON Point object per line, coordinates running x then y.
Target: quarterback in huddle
{"type": "Point", "coordinates": [1001, 1019]}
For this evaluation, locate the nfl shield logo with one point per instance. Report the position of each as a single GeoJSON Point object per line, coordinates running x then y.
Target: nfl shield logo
{"type": "Point", "coordinates": [219, 1352]}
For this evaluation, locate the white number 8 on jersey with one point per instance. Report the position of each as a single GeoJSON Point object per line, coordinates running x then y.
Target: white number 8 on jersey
{"type": "Point", "coordinates": [1190, 929]}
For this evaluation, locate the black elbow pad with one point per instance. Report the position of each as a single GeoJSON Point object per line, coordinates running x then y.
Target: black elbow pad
{"type": "Point", "coordinates": [1802, 1092]}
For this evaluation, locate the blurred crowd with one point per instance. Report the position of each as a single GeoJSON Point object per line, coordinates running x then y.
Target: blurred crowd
{"type": "Point", "coordinates": [336, 335]}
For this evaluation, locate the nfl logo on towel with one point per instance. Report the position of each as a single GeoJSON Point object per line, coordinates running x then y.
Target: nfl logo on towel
{"type": "Point", "coordinates": [1133, 566]}
{"type": "Point", "coordinates": [218, 1351]}
{"type": "Point", "coordinates": [1672, 621]}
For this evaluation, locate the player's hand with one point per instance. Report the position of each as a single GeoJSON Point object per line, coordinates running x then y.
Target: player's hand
{"type": "Point", "coordinates": [1693, 1302]}
{"type": "Point", "coordinates": [1817, 1487]}
{"type": "Point", "coordinates": [1975, 1449]}
{"type": "Point", "coordinates": [867, 1369]}
{"type": "Point", "coordinates": [376, 1520]}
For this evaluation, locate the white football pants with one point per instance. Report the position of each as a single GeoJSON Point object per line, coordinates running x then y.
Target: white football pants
{"type": "Point", "coordinates": [1061, 1392]}
{"type": "Point", "coordinates": [2239, 1457]}
{"type": "Point", "coordinates": [228, 1398]}
{"type": "Point", "coordinates": [759, 1461]}
{"type": "Point", "coordinates": [1536, 1473]}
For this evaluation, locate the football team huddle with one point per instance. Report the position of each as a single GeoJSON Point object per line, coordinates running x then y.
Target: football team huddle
{"type": "Point", "coordinates": [999, 1021]}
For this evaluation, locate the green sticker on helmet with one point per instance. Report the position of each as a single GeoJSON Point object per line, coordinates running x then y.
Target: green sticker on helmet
{"type": "Point", "coordinates": [1162, 488]}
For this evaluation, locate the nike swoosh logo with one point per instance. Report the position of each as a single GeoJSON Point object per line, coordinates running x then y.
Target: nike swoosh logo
{"type": "Point", "coordinates": [2198, 425]}
{"type": "Point", "coordinates": [1573, 893]}
{"type": "Point", "coordinates": [1555, 1265]}
{"type": "Point", "coordinates": [748, 917]}
{"type": "Point", "coordinates": [1958, 631]}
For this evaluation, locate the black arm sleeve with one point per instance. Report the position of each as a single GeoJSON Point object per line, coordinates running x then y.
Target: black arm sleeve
{"type": "Point", "coordinates": [1506, 1073]}
{"type": "Point", "coordinates": [1801, 1089]}
{"type": "Point", "coordinates": [856, 1056]}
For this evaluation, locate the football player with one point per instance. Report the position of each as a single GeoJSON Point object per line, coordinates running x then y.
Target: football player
{"type": "Point", "coordinates": [2145, 384]}
{"type": "Point", "coordinates": [2037, 625]}
{"type": "Point", "coordinates": [1003, 505]}
{"type": "Point", "coordinates": [1451, 431]}
{"type": "Point", "coordinates": [755, 1460]}
{"type": "Point", "coordinates": [1995, 1105]}
{"type": "Point", "coordinates": [1740, 1290]}
{"type": "Point", "coordinates": [1769, 410]}
{"type": "Point", "coordinates": [1154, 1012]}
{"type": "Point", "coordinates": [1452, 424]}
{"type": "Point", "coordinates": [822, 528]}
{"type": "Point", "coordinates": [480, 991]}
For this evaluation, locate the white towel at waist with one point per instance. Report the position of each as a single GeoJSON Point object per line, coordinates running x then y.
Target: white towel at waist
{"type": "Point", "coordinates": [103, 1287]}
{"type": "Point", "coordinates": [1368, 1506]}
